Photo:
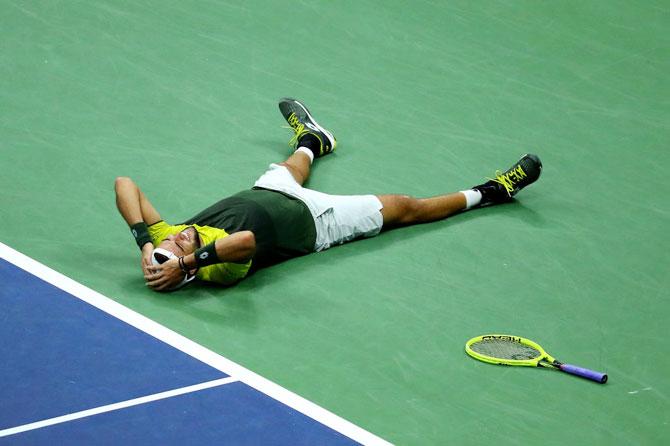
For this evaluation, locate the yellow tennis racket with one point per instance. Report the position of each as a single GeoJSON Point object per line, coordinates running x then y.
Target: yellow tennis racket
{"type": "Point", "coordinates": [515, 350]}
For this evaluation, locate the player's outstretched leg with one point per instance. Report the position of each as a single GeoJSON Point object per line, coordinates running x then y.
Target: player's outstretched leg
{"type": "Point", "coordinates": [405, 210]}
{"type": "Point", "coordinates": [310, 140]}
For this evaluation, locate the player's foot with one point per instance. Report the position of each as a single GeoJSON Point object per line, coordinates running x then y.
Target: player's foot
{"type": "Point", "coordinates": [319, 140]}
{"type": "Point", "coordinates": [507, 184]}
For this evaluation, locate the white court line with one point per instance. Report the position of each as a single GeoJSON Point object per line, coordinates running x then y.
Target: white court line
{"type": "Point", "coordinates": [116, 406]}
{"type": "Point", "coordinates": [189, 347]}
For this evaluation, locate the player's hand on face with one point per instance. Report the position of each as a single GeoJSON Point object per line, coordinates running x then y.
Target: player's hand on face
{"type": "Point", "coordinates": [147, 249]}
{"type": "Point", "coordinates": [165, 276]}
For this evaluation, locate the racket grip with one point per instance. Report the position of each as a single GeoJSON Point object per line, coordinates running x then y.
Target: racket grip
{"type": "Point", "coordinates": [584, 373]}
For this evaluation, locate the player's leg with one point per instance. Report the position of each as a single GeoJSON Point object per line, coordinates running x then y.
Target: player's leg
{"type": "Point", "coordinates": [299, 164]}
{"type": "Point", "coordinates": [310, 140]}
{"type": "Point", "coordinates": [404, 210]}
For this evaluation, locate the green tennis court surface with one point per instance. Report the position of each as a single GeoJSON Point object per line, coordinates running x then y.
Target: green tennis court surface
{"type": "Point", "coordinates": [424, 98]}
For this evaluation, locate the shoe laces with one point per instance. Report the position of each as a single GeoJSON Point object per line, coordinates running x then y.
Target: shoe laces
{"type": "Point", "coordinates": [297, 126]}
{"type": "Point", "coordinates": [510, 179]}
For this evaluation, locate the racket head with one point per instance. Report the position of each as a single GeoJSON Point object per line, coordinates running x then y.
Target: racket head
{"type": "Point", "coordinates": [506, 350]}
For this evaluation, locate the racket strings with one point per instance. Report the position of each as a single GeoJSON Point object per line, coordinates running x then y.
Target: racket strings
{"type": "Point", "coordinates": [504, 349]}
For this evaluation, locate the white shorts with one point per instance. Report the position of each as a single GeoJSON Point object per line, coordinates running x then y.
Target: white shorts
{"type": "Point", "coordinates": [338, 218]}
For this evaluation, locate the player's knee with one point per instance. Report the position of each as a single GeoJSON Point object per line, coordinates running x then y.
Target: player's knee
{"type": "Point", "coordinates": [412, 208]}
{"type": "Point", "coordinates": [298, 175]}
{"type": "Point", "coordinates": [399, 209]}
{"type": "Point", "coordinates": [408, 208]}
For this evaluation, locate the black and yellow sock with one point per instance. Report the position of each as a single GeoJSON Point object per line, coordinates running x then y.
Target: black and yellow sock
{"type": "Point", "coordinates": [311, 142]}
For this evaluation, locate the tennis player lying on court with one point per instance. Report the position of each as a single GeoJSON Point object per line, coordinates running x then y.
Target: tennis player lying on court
{"type": "Point", "coordinates": [278, 218]}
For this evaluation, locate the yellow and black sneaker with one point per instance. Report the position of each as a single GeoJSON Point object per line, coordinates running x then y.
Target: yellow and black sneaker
{"type": "Point", "coordinates": [308, 133]}
{"type": "Point", "coordinates": [507, 184]}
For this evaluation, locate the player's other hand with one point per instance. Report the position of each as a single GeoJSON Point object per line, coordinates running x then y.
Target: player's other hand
{"type": "Point", "coordinates": [147, 249]}
{"type": "Point", "coordinates": [165, 276]}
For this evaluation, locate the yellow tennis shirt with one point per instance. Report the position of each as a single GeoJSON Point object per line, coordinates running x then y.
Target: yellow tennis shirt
{"type": "Point", "coordinates": [225, 273]}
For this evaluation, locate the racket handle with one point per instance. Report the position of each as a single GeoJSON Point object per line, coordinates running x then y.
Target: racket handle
{"type": "Point", "coordinates": [584, 373]}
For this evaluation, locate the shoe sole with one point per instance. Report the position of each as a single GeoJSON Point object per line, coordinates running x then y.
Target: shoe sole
{"type": "Point", "coordinates": [538, 164]}
{"type": "Point", "coordinates": [329, 135]}
{"type": "Point", "coordinates": [535, 168]}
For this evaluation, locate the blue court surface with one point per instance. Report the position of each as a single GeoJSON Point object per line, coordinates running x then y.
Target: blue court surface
{"type": "Point", "coordinates": [79, 368]}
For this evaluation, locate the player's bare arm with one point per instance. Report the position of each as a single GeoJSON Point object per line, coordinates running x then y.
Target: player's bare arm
{"type": "Point", "coordinates": [135, 208]}
{"type": "Point", "coordinates": [133, 204]}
